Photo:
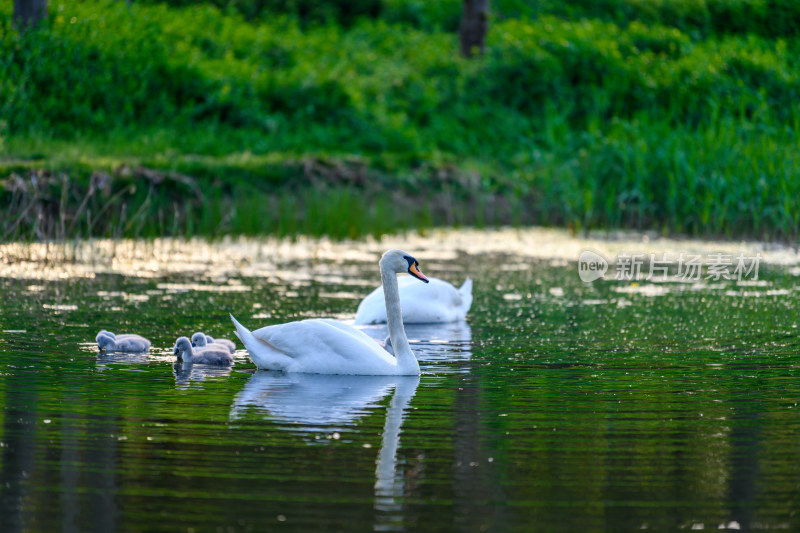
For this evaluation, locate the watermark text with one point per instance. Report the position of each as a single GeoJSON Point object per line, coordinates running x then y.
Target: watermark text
{"type": "Point", "coordinates": [685, 267]}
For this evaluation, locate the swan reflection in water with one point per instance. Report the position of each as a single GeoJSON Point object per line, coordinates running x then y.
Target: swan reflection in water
{"type": "Point", "coordinates": [185, 373]}
{"type": "Point", "coordinates": [308, 403]}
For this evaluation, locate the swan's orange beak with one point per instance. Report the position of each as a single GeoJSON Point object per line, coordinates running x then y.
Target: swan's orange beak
{"type": "Point", "coordinates": [417, 273]}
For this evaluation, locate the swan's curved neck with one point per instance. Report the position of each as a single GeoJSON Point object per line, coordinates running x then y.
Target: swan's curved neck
{"type": "Point", "coordinates": [394, 320]}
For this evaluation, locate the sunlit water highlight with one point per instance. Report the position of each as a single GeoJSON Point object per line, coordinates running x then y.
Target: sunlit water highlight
{"type": "Point", "coordinates": [558, 405]}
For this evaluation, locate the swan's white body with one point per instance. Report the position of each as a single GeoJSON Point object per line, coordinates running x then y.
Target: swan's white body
{"type": "Point", "coordinates": [107, 341]}
{"type": "Point", "coordinates": [201, 341]}
{"type": "Point", "coordinates": [209, 356]}
{"type": "Point", "coordinates": [435, 303]}
{"type": "Point", "coordinates": [319, 346]}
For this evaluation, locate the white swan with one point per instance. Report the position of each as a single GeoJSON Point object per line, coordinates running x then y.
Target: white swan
{"type": "Point", "coordinates": [201, 340]}
{"type": "Point", "coordinates": [319, 346]}
{"type": "Point", "coordinates": [211, 356]}
{"type": "Point", "coordinates": [436, 303]}
{"type": "Point", "coordinates": [123, 343]}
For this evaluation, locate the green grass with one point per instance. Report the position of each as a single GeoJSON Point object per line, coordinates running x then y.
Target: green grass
{"type": "Point", "coordinates": [678, 116]}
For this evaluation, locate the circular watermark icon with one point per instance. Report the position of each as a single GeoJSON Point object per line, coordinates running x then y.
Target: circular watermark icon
{"type": "Point", "coordinates": [591, 266]}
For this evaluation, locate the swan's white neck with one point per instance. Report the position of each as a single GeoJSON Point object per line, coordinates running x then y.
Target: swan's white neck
{"type": "Point", "coordinates": [394, 319]}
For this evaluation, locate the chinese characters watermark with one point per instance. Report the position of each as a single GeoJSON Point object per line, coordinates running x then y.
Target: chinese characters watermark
{"type": "Point", "coordinates": [657, 267]}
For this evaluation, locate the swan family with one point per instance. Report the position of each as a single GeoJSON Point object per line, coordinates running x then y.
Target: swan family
{"type": "Point", "coordinates": [322, 346]}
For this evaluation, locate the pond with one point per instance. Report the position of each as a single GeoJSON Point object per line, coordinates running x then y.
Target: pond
{"type": "Point", "coordinates": [659, 401]}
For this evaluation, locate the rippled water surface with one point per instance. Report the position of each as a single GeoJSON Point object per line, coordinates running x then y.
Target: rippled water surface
{"type": "Point", "coordinates": [558, 406]}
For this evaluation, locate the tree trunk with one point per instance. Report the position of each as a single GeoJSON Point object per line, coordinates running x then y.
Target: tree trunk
{"type": "Point", "coordinates": [28, 13]}
{"type": "Point", "coordinates": [474, 24]}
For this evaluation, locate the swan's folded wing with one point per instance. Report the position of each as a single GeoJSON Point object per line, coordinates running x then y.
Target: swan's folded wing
{"type": "Point", "coordinates": [349, 342]}
{"type": "Point", "coordinates": [323, 343]}
{"type": "Point", "coordinates": [286, 338]}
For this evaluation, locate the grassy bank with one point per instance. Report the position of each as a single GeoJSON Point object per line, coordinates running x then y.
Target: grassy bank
{"type": "Point", "coordinates": [142, 119]}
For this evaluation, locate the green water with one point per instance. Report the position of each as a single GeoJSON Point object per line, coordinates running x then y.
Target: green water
{"type": "Point", "coordinates": [559, 406]}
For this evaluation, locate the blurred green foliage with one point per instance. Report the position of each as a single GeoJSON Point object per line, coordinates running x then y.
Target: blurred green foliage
{"type": "Point", "coordinates": [677, 115]}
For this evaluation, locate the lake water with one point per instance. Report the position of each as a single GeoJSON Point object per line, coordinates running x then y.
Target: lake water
{"type": "Point", "coordinates": [559, 405]}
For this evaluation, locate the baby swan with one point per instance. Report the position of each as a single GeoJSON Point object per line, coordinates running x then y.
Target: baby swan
{"type": "Point", "coordinates": [201, 340]}
{"type": "Point", "coordinates": [122, 336]}
{"type": "Point", "coordinates": [225, 342]}
{"type": "Point", "coordinates": [213, 355]}
{"type": "Point", "coordinates": [108, 342]}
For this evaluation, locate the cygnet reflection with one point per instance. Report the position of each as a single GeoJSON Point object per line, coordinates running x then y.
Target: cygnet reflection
{"type": "Point", "coordinates": [185, 373]}
{"type": "Point", "coordinates": [104, 359]}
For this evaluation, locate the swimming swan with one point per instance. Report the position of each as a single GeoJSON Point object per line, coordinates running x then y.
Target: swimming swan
{"type": "Point", "coordinates": [211, 356]}
{"type": "Point", "coordinates": [320, 346]}
{"type": "Point", "coordinates": [437, 303]}
{"type": "Point", "coordinates": [122, 336]}
{"type": "Point", "coordinates": [108, 342]}
{"type": "Point", "coordinates": [201, 340]}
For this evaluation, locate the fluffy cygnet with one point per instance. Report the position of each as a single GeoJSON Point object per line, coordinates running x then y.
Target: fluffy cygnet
{"type": "Point", "coordinates": [212, 355]}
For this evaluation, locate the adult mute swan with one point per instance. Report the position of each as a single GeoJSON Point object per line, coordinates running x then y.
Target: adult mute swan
{"type": "Point", "coordinates": [200, 340]}
{"type": "Point", "coordinates": [319, 346]}
{"type": "Point", "coordinates": [436, 303]}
